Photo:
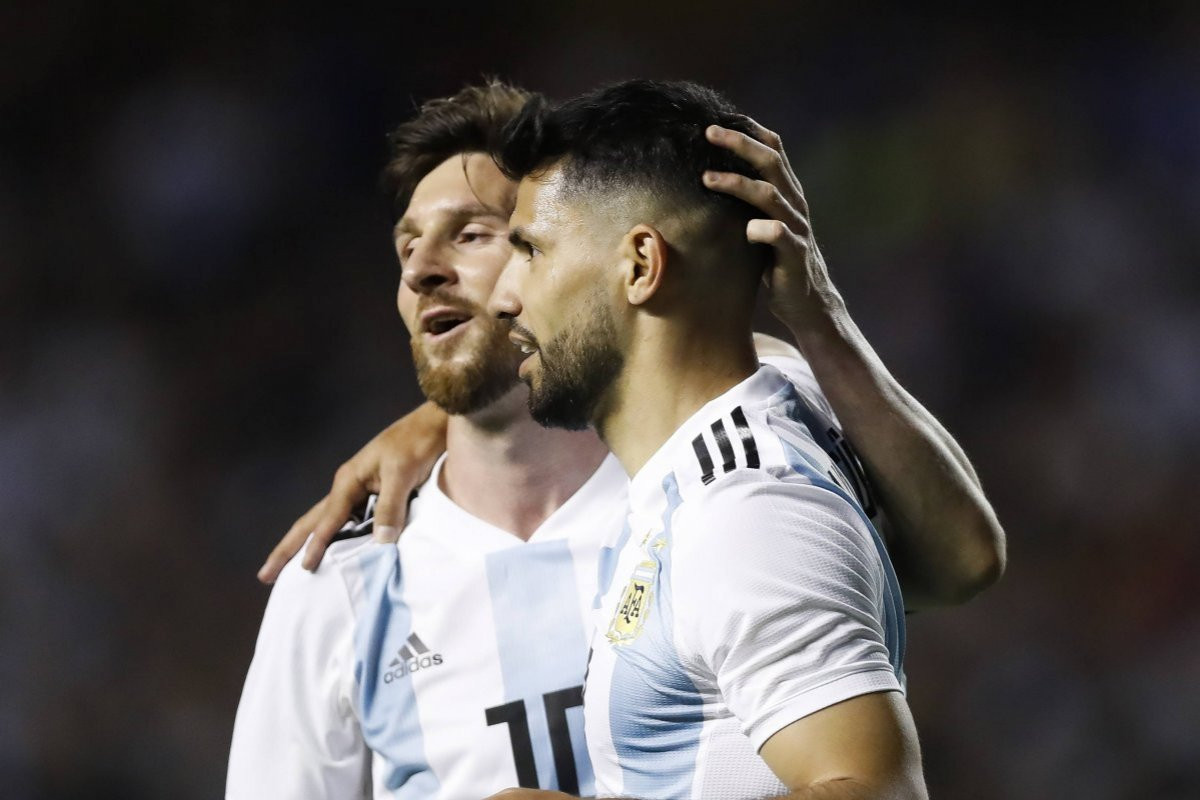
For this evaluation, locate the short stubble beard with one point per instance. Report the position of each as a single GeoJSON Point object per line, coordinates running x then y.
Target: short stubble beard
{"type": "Point", "coordinates": [465, 386]}
{"type": "Point", "coordinates": [578, 366]}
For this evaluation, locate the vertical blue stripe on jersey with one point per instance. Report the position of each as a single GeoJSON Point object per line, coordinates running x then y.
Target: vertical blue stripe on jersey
{"type": "Point", "coordinates": [543, 644]}
{"type": "Point", "coordinates": [893, 606]}
{"type": "Point", "coordinates": [388, 705]}
{"type": "Point", "coordinates": [655, 712]}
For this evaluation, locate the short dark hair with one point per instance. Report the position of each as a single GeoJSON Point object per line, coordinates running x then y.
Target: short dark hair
{"type": "Point", "coordinates": [470, 121]}
{"type": "Point", "coordinates": [640, 134]}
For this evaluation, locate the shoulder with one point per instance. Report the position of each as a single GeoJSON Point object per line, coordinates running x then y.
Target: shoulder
{"type": "Point", "coordinates": [341, 558]}
{"type": "Point", "coordinates": [759, 431]}
{"type": "Point", "coordinates": [782, 510]}
{"type": "Point", "coordinates": [768, 503]}
{"type": "Point", "coordinates": [800, 375]}
{"type": "Point", "coordinates": [773, 541]}
{"type": "Point", "coordinates": [295, 734]}
{"type": "Point", "coordinates": [311, 601]}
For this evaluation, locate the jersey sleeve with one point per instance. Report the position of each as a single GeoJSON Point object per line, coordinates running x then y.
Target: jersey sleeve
{"type": "Point", "coordinates": [779, 595]}
{"type": "Point", "coordinates": [800, 374]}
{"type": "Point", "coordinates": [296, 735]}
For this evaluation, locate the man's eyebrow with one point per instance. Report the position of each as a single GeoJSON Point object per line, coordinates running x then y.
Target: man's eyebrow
{"type": "Point", "coordinates": [455, 213]}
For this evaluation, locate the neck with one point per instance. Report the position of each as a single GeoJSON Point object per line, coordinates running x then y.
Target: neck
{"type": "Point", "coordinates": [670, 373]}
{"type": "Point", "coordinates": [510, 472]}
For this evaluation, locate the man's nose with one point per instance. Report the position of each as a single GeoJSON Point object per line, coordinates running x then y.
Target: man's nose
{"type": "Point", "coordinates": [427, 268]}
{"type": "Point", "coordinates": [504, 301]}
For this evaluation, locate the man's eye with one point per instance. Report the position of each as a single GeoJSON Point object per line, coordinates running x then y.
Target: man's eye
{"type": "Point", "coordinates": [469, 236]}
{"type": "Point", "coordinates": [404, 248]}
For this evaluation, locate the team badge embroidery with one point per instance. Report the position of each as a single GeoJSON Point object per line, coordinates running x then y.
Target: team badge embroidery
{"type": "Point", "coordinates": [634, 608]}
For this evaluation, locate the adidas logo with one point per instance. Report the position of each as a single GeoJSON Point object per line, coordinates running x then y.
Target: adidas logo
{"type": "Point", "coordinates": [412, 656]}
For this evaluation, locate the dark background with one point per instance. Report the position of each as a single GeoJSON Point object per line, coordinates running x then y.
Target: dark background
{"type": "Point", "coordinates": [197, 325]}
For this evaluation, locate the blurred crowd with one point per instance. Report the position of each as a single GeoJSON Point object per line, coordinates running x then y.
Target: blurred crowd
{"type": "Point", "coordinates": [197, 325]}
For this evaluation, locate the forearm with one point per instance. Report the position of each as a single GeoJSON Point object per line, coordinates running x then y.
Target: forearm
{"type": "Point", "coordinates": [848, 789]}
{"type": "Point", "coordinates": [949, 544]}
{"type": "Point", "coordinates": [826, 790]}
{"type": "Point", "coordinates": [851, 789]}
{"type": "Point", "coordinates": [834, 790]}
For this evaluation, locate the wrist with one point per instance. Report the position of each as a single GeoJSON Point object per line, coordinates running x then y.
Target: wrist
{"type": "Point", "coordinates": [824, 324]}
{"type": "Point", "coordinates": [840, 356]}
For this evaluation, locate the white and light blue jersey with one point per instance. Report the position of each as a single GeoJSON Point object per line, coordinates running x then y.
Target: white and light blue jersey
{"type": "Point", "coordinates": [456, 656]}
{"type": "Point", "coordinates": [747, 590]}
{"type": "Point", "coordinates": [471, 647]}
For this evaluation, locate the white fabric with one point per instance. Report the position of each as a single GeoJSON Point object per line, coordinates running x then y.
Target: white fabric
{"type": "Point", "coordinates": [296, 734]}
{"type": "Point", "coordinates": [744, 598]}
{"type": "Point", "coordinates": [504, 625]}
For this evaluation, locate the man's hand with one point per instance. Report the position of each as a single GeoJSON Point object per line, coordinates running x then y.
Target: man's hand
{"type": "Point", "coordinates": [530, 794]}
{"type": "Point", "coordinates": [801, 291]}
{"type": "Point", "coordinates": [392, 464]}
{"type": "Point", "coordinates": [949, 545]}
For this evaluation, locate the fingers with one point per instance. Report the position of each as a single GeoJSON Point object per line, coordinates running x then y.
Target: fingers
{"type": "Point", "coordinates": [348, 491]}
{"type": "Point", "coordinates": [770, 138]}
{"type": "Point", "coordinates": [763, 195]}
{"type": "Point", "coordinates": [290, 544]}
{"type": "Point", "coordinates": [392, 506]}
{"type": "Point", "coordinates": [337, 511]}
{"type": "Point", "coordinates": [769, 231]}
{"type": "Point", "coordinates": [764, 151]}
{"type": "Point", "coordinates": [769, 162]}
{"type": "Point", "coordinates": [392, 463]}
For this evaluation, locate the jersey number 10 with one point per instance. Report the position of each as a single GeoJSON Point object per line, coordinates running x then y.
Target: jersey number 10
{"type": "Point", "coordinates": [556, 704]}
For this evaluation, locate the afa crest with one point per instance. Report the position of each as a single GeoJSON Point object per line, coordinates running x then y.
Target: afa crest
{"type": "Point", "coordinates": [634, 606]}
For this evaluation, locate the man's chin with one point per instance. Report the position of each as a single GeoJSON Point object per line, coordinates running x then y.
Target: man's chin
{"type": "Point", "coordinates": [556, 411]}
{"type": "Point", "coordinates": [460, 389]}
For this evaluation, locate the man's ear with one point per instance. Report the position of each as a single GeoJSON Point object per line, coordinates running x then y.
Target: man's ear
{"type": "Point", "coordinates": [644, 252]}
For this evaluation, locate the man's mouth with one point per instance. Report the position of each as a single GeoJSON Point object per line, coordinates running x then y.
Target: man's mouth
{"type": "Point", "coordinates": [527, 344]}
{"type": "Point", "coordinates": [523, 340]}
{"type": "Point", "coordinates": [439, 321]}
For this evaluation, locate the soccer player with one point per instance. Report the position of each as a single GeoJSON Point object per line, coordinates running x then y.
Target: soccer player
{"type": "Point", "coordinates": [750, 637]}
{"type": "Point", "coordinates": [465, 669]}
{"type": "Point", "coordinates": [458, 656]}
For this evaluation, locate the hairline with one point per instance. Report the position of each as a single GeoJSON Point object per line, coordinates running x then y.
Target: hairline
{"type": "Point", "coordinates": [662, 209]}
{"type": "Point", "coordinates": [466, 209]}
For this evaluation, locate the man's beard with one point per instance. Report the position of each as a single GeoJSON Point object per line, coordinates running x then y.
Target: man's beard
{"type": "Point", "coordinates": [466, 385]}
{"type": "Point", "coordinates": [578, 365]}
